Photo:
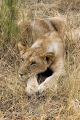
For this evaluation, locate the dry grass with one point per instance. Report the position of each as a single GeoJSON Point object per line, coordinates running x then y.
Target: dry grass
{"type": "Point", "coordinates": [65, 104]}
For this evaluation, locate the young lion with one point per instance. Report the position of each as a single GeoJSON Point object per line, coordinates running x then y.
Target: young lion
{"type": "Point", "coordinates": [45, 57]}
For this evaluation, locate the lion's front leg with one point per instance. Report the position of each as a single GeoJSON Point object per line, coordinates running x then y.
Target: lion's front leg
{"type": "Point", "coordinates": [32, 85]}
{"type": "Point", "coordinates": [30, 90]}
{"type": "Point", "coordinates": [51, 82]}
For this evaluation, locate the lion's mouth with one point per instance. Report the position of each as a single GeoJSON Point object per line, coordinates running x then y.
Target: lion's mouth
{"type": "Point", "coordinates": [43, 75]}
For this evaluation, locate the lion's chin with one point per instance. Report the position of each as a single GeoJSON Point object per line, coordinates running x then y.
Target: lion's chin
{"type": "Point", "coordinates": [43, 75]}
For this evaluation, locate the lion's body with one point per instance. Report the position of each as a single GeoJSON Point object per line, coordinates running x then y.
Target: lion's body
{"type": "Point", "coordinates": [45, 55]}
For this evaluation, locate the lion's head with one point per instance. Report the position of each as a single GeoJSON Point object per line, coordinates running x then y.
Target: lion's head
{"type": "Point", "coordinates": [34, 63]}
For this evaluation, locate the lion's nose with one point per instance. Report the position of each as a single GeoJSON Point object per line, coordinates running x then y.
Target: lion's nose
{"type": "Point", "coordinates": [20, 74]}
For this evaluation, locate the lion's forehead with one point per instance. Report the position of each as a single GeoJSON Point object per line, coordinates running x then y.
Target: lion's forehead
{"type": "Point", "coordinates": [36, 58]}
{"type": "Point", "coordinates": [27, 55]}
{"type": "Point", "coordinates": [32, 56]}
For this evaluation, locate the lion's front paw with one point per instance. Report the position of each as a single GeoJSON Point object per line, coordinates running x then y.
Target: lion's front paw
{"type": "Point", "coordinates": [30, 90]}
{"type": "Point", "coordinates": [41, 88]}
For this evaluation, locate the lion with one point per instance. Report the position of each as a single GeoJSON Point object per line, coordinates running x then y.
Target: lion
{"type": "Point", "coordinates": [45, 58]}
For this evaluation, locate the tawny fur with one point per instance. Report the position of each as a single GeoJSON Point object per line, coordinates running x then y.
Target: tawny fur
{"type": "Point", "coordinates": [46, 52]}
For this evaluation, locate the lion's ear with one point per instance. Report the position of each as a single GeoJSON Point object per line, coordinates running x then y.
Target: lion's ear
{"type": "Point", "coordinates": [21, 48]}
{"type": "Point", "coordinates": [48, 57]}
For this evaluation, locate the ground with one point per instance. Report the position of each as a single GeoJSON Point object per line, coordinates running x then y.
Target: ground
{"type": "Point", "coordinates": [15, 104]}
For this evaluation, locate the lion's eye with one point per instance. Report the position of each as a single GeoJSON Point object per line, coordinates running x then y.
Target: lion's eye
{"type": "Point", "coordinates": [33, 63]}
{"type": "Point", "coordinates": [21, 60]}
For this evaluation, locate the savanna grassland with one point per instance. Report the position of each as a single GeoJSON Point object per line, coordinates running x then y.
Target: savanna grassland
{"type": "Point", "coordinates": [15, 104]}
